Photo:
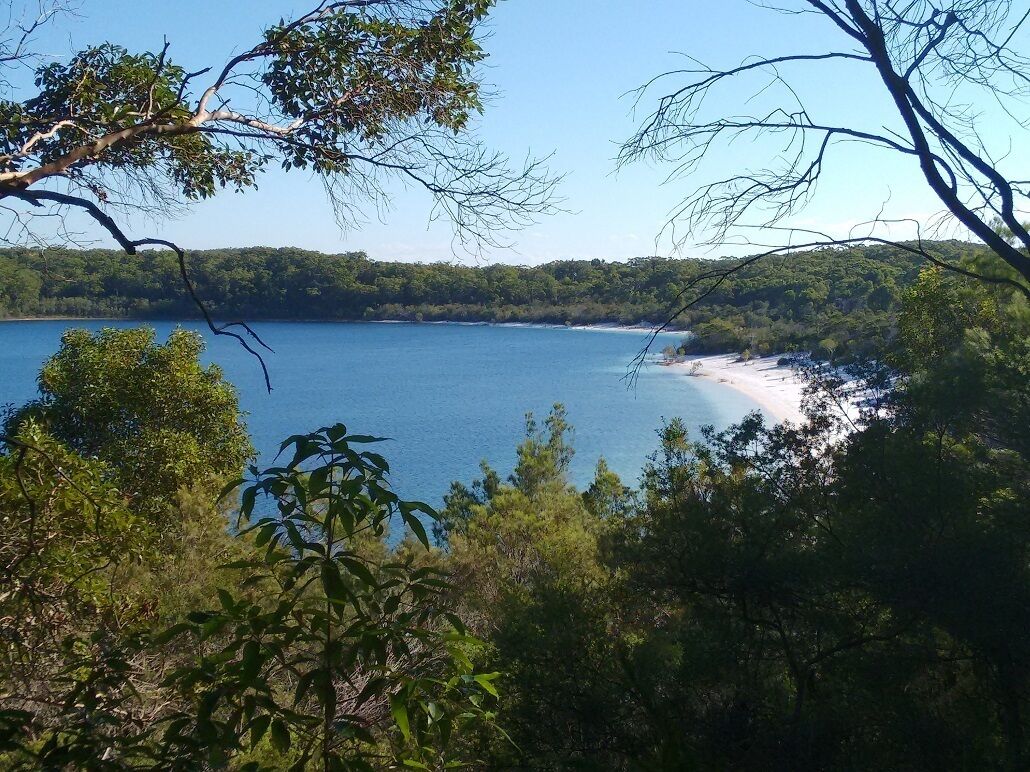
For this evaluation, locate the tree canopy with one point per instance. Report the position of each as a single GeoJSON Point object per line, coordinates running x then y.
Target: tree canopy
{"type": "Point", "coordinates": [150, 411]}
{"type": "Point", "coordinates": [354, 91]}
{"type": "Point", "coordinates": [795, 303]}
{"type": "Point", "coordinates": [849, 592]}
{"type": "Point", "coordinates": [785, 597]}
{"type": "Point", "coordinates": [357, 92]}
{"type": "Point", "coordinates": [139, 633]}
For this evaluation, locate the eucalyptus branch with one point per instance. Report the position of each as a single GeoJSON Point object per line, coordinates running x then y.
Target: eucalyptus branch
{"type": "Point", "coordinates": [356, 91]}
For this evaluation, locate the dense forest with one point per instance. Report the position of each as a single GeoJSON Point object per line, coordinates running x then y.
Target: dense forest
{"type": "Point", "coordinates": [848, 592]}
{"type": "Point", "coordinates": [851, 593]}
{"type": "Point", "coordinates": [829, 301]}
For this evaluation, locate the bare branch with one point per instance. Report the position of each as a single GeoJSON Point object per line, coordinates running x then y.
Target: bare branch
{"type": "Point", "coordinates": [922, 53]}
{"type": "Point", "coordinates": [131, 246]}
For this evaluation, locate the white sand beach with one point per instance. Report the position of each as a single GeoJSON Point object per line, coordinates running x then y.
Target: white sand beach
{"type": "Point", "coordinates": [776, 388]}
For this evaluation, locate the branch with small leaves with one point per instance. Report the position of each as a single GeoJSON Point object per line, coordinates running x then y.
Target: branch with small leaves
{"type": "Point", "coordinates": [360, 92]}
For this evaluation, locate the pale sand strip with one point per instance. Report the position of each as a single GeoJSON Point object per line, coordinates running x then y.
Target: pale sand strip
{"type": "Point", "coordinates": [776, 388]}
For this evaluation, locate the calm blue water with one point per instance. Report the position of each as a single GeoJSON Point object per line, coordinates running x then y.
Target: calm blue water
{"type": "Point", "coordinates": [447, 395]}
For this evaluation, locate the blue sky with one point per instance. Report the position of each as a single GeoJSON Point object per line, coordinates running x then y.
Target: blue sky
{"type": "Point", "coordinates": [560, 71]}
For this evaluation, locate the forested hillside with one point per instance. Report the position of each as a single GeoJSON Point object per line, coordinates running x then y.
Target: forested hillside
{"type": "Point", "coordinates": [844, 592]}
{"type": "Point", "coordinates": [827, 300]}
{"type": "Point", "coordinates": [769, 598]}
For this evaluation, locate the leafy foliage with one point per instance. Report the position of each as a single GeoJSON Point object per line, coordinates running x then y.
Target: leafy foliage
{"type": "Point", "coordinates": [529, 578]}
{"type": "Point", "coordinates": [160, 419]}
{"type": "Point", "coordinates": [104, 90]}
{"type": "Point", "coordinates": [111, 529]}
{"type": "Point", "coordinates": [355, 92]}
{"type": "Point", "coordinates": [789, 597]}
{"type": "Point", "coordinates": [340, 659]}
{"type": "Point", "coordinates": [784, 597]}
{"type": "Point", "coordinates": [326, 653]}
{"type": "Point", "coordinates": [65, 529]}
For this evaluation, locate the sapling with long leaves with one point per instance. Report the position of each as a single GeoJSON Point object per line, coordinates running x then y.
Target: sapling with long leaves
{"type": "Point", "coordinates": [333, 657]}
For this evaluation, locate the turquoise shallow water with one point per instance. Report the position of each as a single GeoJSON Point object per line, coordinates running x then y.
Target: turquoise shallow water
{"type": "Point", "coordinates": [448, 395]}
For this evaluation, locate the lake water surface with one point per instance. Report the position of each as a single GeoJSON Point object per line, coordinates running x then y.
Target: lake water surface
{"type": "Point", "coordinates": [449, 395]}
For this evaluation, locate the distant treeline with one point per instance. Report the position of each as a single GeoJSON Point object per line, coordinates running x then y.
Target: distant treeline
{"type": "Point", "coordinates": [831, 301]}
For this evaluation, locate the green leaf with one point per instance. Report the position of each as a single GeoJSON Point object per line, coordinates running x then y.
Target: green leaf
{"type": "Point", "coordinates": [293, 439]}
{"type": "Point", "coordinates": [172, 632]}
{"type": "Point", "coordinates": [238, 564]}
{"type": "Point", "coordinates": [364, 438]}
{"type": "Point", "coordinates": [258, 727]}
{"type": "Point", "coordinates": [418, 529]}
{"type": "Point", "coordinates": [484, 679]}
{"type": "Point", "coordinates": [377, 460]}
{"type": "Point", "coordinates": [434, 710]}
{"type": "Point", "coordinates": [333, 584]}
{"type": "Point", "coordinates": [265, 534]}
{"type": "Point", "coordinates": [335, 432]}
{"type": "Point", "coordinates": [360, 570]}
{"type": "Point", "coordinates": [303, 684]}
{"type": "Point", "coordinates": [230, 487]}
{"type": "Point", "coordinates": [250, 662]}
{"type": "Point", "coordinates": [400, 715]}
{"type": "Point", "coordinates": [324, 691]}
{"type": "Point", "coordinates": [280, 736]}
{"type": "Point", "coordinates": [247, 501]}
{"type": "Point", "coordinates": [212, 626]}
{"type": "Point", "coordinates": [293, 534]}
{"type": "Point", "coordinates": [456, 622]}
{"type": "Point", "coordinates": [444, 727]}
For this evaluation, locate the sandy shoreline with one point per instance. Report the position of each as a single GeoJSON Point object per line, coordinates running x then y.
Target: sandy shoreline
{"type": "Point", "coordinates": [776, 388]}
{"type": "Point", "coordinates": [599, 327]}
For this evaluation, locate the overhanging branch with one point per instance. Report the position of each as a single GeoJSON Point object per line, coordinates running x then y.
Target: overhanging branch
{"type": "Point", "coordinates": [131, 246]}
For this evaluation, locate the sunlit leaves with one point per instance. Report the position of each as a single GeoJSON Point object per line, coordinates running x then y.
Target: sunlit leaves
{"type": "Point", "coordinates": [159, 418]}
{"type": "Point", "coordinates": [105, 89]}
{"type": "Point", "coordinates": [362, 73]}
